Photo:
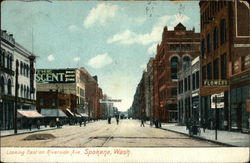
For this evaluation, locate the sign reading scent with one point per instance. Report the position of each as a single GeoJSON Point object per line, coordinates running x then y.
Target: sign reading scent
{"type": "Point", "coordinates": [55, 76]}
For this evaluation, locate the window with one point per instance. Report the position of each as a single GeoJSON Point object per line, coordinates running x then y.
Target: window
{"type": "Point", "coordinates": [62, 102]}
{"type": "Point", "coordinates": [209, 71]}
{"type": "Point", "coordinates": [208, 44]}
{"type": "Point", "coordinates": [245, 62]}
{"type": "Point", "coordinates": [21, 94]}
{"type": "Point", "coordinates": [193, 81]}
{"type": "Point", "coordinates": [174, 92]}
{"type": "Point", "coordinates": [2, 58]}
{"type": "Point", "coordinates": [204, 73]}
{"type": "Point", "coordinates": [9, 87]}
{"type": "Point", "coordinates": [185, 84]}
{"type": "Point", "coordinates": [174, 65]}
{"type": "Point", "coordinates": [216, 69]}
{"type": "Point", "coordinates": [189, 82]}
{"type": "Point", "coordinates": [53, 102]}
{"type": "Point", "coordinates": [236, 67]}
{"type": "Point", "coordinates": [222, 31]}
{"type": "Point", "coordinates": [203, 48]}
{"type": "Point", "coordinates": [21, 68]}
{"type": "Point", "coordinates": [197, 76]}
{"type": "Point", "coordinates": [223, 66]}
{"type": "Point", "coordinates": [186, 62]}
{"type": "Point", "coordinates": [2, 85]}
{"type": "Point", "coordinates": [28, 92]}
{"type": "Point", "coordinates": [41, 101]}
{"type": "Point", "coordinates": [11, 59]}
{"type": "Point", "coordinates": [215, 38]}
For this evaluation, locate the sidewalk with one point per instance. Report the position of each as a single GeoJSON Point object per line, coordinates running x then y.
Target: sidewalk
{"type": "Point", "coordinates": [4, 133]}
{"type": "Point", "coordinates": [237, 139]}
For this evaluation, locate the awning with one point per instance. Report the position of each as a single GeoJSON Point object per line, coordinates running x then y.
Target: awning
{"type": "Point", "coordinates": [84, 115]}
{"type": "Point", "coordinates": [72, 114]}
{"type": "Point", "coordinates": [52, 113]}
{"type": "Point", "coordinates": [28, 114]}
{"type": "Point", "coordinates": [77, 115]}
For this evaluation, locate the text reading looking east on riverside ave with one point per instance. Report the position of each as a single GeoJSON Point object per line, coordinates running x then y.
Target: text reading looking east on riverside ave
{"type": "Point", "coordinates": [89, 152]}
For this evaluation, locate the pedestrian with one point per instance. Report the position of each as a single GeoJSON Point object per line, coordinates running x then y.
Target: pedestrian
{"type": "Point", "coordinates": [80, 122]}
{"type": "Point", "coordinates": [142, 123]}
{"type": "Point", "coordinates": [117, 120]}
{"type": "Point", "coordinates": [204, 125]}
{"type": "Point", "coordinates": [84, 122]}
{"type": "Point", "coordinates": [30, 124]}
{"type": "Point", "coordinates": [38, 124]}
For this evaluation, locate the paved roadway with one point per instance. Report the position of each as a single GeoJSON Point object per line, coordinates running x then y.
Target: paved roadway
{"type": "Point", "coordinates": [127, 133]}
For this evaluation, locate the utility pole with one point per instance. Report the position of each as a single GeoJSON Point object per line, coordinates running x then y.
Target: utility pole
{"type": "Point", "coordinates": [216, 117]}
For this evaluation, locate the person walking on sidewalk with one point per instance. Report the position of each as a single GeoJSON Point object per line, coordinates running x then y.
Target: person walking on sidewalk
{"type": "Point", "coordinates": [204, 125]}
{"type": "Point", "coordinates": [142, 123]}
{"type": "Point", "coordinates": [38, 124]}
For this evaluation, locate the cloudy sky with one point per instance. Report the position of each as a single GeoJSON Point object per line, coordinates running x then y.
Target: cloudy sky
{"type": "Point", "coordinates": [113, 40]}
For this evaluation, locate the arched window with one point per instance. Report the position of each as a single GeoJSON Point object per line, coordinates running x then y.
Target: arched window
{"type": "Point", "coordinates": [24, 91]}
{"type": "Point", "coordinates": [21, 68]}
{"type": "Point", "coordinates": [9, 87]}
{"type": "Point", "coordinates": [2, 85]}
{"type": "Point", "coordinates": [11, 59]}
{"type": "Point", "coordinates": [186, 62]}
{"type": "Point", "coordinates": [174, 64]}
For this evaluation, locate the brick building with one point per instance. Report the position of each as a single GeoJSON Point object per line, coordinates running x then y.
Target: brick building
{"type": "Point", "coordinates": [177, 49]}
{"type": "Point", "coordinates": [225, 62]}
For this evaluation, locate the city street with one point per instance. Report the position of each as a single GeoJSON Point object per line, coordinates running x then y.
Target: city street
{"type": "Point", "coordinates": [127, 133]}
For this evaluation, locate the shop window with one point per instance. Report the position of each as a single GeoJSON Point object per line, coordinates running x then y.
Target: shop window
{"type": "Point", "coordinates": [245, 62]}
{"type": "Point", "coordinates": [209, 71]}
{"type": "Point", "coordinates": [215, 38]}
{"type": "Point", "coordinates": [2, 85]}
{"type": "Point", "coordinates": [9, 87]}
{"type": "Point", "coordinates": [208, 44]}
{"type": "Point", "coordinates": [223, 66]}
{"type": "Point", "coordinates": [53, 102]}
{"type": "Point", "coordinates": [236, 67]}
{"type": "Point", "coordinates": [216, 69]}
{"type": "Point", "coordinates": [41, 101]}
{"type": "Point", "coordinates": [222, 31]}
{"type": "Point", "coordinates": [197, 79]}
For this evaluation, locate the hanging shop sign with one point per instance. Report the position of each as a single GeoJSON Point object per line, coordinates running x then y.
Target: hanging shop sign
{"type": "Point", "coordinates": [215, 83]}
{"type": "Point", "coordinates": [219, 101]}
{"type": "Point", "coordinates": [55, 76]}
{"type": "Point", "coordinates": [110, 100]}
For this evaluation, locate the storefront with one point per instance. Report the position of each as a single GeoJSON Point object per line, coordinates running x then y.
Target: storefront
{"type": "Point", "coordinates": [28, 119]}
{"type": "Point", "coordinates": [51, 116]}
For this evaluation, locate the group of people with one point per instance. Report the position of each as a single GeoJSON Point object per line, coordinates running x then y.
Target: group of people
{"type": "Point", "coordinates": [117, 120]}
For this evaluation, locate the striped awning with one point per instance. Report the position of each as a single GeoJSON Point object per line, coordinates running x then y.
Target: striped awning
{"type": "Point", "coordinates": [28, 114]}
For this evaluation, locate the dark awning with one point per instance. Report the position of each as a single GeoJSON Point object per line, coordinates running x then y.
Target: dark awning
{"type": "Point", "coordinates": [52, 112]}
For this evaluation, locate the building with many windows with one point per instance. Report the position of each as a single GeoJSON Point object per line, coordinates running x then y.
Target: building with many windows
{"type": "Point", "coordinates": [225, 62]}
{"type": "Point", "coordinates": [188, 97]}
{"type": "Point", "coordinates": [17, 82]}
{"type": "Point", "coordinates": [177, 49]}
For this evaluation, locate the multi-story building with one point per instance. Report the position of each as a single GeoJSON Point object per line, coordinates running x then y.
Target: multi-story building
{"type": "Point", "coordinates": [67, 81]}
{"type": "Point", "coordinates": [177, 49]}
{"type": "Point", "coordinates": [188, 98]}
{"type": "Point", "coordinates": [225, 62]}
{"type": "Point", "coordinates": [149, 89]}
{"type": "Point", "coordinates": [17, 84]}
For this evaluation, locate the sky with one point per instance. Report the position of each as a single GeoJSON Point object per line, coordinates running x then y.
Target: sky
{"type": "Point", "coordinates": [113, 40]}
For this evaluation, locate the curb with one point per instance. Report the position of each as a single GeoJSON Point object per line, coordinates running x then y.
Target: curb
{"type": "Point", "coordinates": [201, 138]}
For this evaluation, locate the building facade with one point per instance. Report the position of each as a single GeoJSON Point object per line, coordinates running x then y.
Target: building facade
{"type": "Point", "coordinates": [225, 62]}
{"type": "Point", "coordinates": [188, 97]}
{"type": "Point", "coordinates": [17, 80]}
{"type": "Point", "coordinates": [177, 49]}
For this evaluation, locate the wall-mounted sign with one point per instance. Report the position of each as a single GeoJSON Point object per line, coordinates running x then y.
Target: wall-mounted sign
{"type": "Point", "coordinates": [218, 101]}
{"type": "Point", "coordinates": [109, 100]}
{"type": "Point", "coordinates": [55, 76]}
{"type": "Point", "coordinates": [215, 83]}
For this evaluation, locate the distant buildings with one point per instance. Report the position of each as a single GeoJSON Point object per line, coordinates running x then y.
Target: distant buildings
{"type": "Point", "coordinates": [17, 83]}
